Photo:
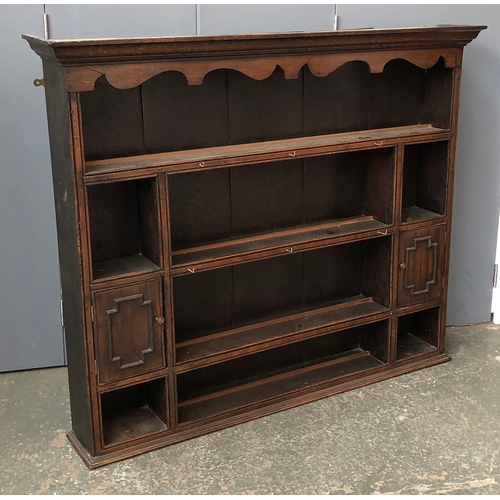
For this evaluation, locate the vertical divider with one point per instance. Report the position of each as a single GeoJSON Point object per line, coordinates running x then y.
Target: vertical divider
{"type": "Point", "coordinates": [77, 150]}
{"type": "Point", "coordinates": [452, 147]}
{"type": "Point", "coordinates": [168, 301]}
{"type": "Point", "coordinates": [397, 201]}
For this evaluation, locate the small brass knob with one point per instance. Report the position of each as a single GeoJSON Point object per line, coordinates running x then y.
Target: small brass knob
{"type": "Point", "coordinates": [402, 265]}
{"type": "Point", "coordinates": [160, 320]}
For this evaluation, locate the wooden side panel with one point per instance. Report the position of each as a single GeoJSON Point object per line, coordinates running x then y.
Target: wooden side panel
{"type": "Point", "coordinates": [338, 102]}
{"type": "Point", "coordinates": [114, 221]}
{"type": "Point", "coordinates": [438, 96]}
{"type": "Point", "coordinates": [377, 264]}
{"type": "Point", "coordinates": [69, 245]}
{"type": "Point", "coordinates": [421, 257]}
{"type": "Point", "coordinates": [264, 110]}
{"type": "Point", "coordinates": [179, 116]}
{"type": "Point", "coordinates": [112, 122]}
{"type": "Point", "coordinates": [203, 303]}
{"type": "Point", "coordinates": [396, 95]}
{"type": "Point", "coordinates": [266, 197]}
{"type": "Point", "coordinates": [148, 210]}
{"type": "Point", "coordinates": [378, 199]}
{"type": "Point", "coordinates": [129, 331]}
{"type": "Point", "coordinates": [333, 273]}
{"type": "Point", "coordinates": [333, 187]}
{"type": "Point", "coordinates": [267, 288]}
{"type": "Point", "coordinates": [200, 207]}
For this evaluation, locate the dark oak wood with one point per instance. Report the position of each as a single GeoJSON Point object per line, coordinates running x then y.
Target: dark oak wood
{"type": "Point", "coordinates": [247, 223]}
{"type": "Point", "coordinates": [129, 331]}
{"type": "Point", "coordinates": [218, 157]}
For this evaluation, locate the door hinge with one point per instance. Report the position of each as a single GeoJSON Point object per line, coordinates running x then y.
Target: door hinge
{"type": "Point", "coordinates": [92, 315]}
{"type": "Point", "coordinates": [495, 276]}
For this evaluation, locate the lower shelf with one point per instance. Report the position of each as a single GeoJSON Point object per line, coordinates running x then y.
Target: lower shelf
{"type": "Point", "coordinates": [124, 266]}
{"type": "Point", "coordinates": [351, 362]}
{"type": "Point", "coordinates": [409, 345]}
{"type": "Point", "coordinates": [418, 333]}
{"type": "Point", "coordinates": [412, 214]}
{"type": "Point", "coordinates": [278, 239]}
{"type": "Point", "coordinates": [264, 333]}
{"type": "Point", "coordinates": [236, 383]}
{"type": "Point", "coordinates": [133, 412]}
{"type": "Point", "coordinates": [132, 424]}
{"type": "Point", "coordinates": [312, 393]}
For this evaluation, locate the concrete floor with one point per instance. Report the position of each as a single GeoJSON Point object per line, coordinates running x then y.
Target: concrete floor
{"type": "Point", "coordinates": [432, 431]}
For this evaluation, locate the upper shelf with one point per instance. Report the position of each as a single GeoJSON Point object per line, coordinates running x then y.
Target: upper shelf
{"type": "Point", "coordinates": [254, 55]}
{"type": "Point", "coordinates": [244, 154]}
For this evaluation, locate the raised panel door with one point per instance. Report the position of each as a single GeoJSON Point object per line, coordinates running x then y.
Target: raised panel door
{"type": "Point", "coordinates": [421, 257]}
{"type": "Point", "coordinates": [129, 331]}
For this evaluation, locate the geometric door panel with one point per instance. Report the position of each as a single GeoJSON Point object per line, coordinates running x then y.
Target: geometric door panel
{"type": "Point", "coordinates": [421, 260]}
{"type": "Point", "coordinates": [129, 331]}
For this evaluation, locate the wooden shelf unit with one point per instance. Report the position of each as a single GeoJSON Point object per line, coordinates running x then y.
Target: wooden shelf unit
{"type": "Point", "coordinates": [247, 223]}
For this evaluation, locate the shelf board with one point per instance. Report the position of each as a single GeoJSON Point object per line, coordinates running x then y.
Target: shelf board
{"type": "Point", "coordinates": [206, 406]}
{"type": "Point", "coordinates": [265, 335]}
{"type": "Point", "coordinates": [278, 241]}
{"type": "Point", "coordinates": [225, 156]}
{"type": "Point", "coordinates": [123, 266]}
{"type": "Point", "coordinates": [132, 424]}
{"type": "Point", "coordinates": [409, 346]}
{"type": "Point", "coordinates": [412, 214]}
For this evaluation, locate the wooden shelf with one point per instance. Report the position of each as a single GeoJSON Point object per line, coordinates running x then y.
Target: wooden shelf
{"type": "Point", "coordinates": [132, 424]}
{"type": "Point", "coordinates": [350, 362]}
{"type": "Point", "coordinates": [409, 346]}
{"type": "Point", "coordinates": [279, 241]}
{"type": "Point", "coordinates": [413, 214]}
{"type": "Point", "coordinates": [223, 156]}
{"type": "Point", "coordinates": [206, 350]}
{"type": "Point", "coordinates": [125, 266]}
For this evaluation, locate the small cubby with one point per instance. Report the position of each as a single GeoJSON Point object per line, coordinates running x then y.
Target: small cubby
{"type": "Point", "coordinates": [320, 195]}
{"type": "Point", "coordinates": [133, 412]}
{"type": "Point", "coordinates": [124, 232]}
{"type": "Point", "coordinates": [425, 172]}
{"type": "Point", "coordinates": [418, 333]}
{"type": "Point", "coordinates": [324, 283]}
{"type": "Point", "coordinates": [299, 366]}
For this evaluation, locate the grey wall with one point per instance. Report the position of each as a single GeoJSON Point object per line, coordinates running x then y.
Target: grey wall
{"type": "Point", "coordinates": [30, 332]}
{"type": "Point", "coordinates": [477, 178]}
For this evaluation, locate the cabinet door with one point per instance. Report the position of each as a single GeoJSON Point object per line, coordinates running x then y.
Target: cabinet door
{"type": "Point", "coordinates": [421, 255]}
{"type": "Point", "coordinates": [129, 331]}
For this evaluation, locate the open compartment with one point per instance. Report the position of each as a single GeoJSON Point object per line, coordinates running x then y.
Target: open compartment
{"type": "Point", "coordinates": [277, 372]}
{"type": "Point", "coordinates": [418, 333]}
{"type": "Point", "coordinates": [133, 412]}
{"type": "Point", "coordinates": [124, 229]}
{"type": "Point", "coordinates": [166, 114]}
{"type": "Point", "coordinates": [231, 307]}
{"type": "Point", "coordinates": [236, 210]}
{"type": "Point", "coordinates": [424, 181]}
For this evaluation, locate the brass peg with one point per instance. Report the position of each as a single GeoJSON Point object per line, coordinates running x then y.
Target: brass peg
{"type": "Point", "coordinates": [402, 265]}
{"type": "Point", "coordinates": [160, 320]}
